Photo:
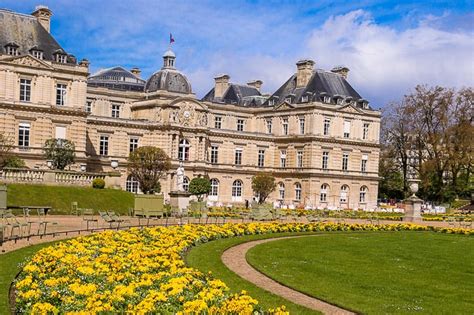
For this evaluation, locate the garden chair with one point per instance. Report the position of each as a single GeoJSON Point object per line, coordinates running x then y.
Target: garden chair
{"type": "Point", "coordinates": [315, 216]}
{"type": "Point", "coordinates": [26, 217]}
{"type": "Point", "coordinates": [15, 225]}
{"type": "Point", "coordinates": [42, 222]}
{"type": "Point", "coordinates": [88, 217]}
{"type": "Point", "coordinates": [116, 218]}
{"type": "Point", "coordinates": [106, 217]}
{"type": "Point", "coordinates": [451, 221]}
{"type": "Point", "coordinates": [74, 208]}
{"type": "Point", "coordinates": [465, 222]}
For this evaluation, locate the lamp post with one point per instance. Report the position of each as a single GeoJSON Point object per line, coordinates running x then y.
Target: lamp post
{"type": "Point", "coordinates": [114, 164]}
{"type": "Point", "coordinates": [83, 167]}
{"type": "Point", "coordinates": [49, 163]}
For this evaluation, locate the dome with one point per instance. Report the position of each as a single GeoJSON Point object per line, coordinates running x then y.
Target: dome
{"type": "Point", "coordinates": [168, 80]}
{"type": "Point", "coordinates": [169, 53]}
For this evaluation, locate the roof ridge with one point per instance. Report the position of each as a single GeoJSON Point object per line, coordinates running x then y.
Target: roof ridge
{"type": "Point", "coordinates": [17, 13]}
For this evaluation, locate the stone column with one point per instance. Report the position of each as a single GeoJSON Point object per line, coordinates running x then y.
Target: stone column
{"type": "Point", "coordinates": [413, 204]}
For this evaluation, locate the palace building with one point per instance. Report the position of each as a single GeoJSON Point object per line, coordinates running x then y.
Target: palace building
{"type": "Point", "coordinates": [315, 133]}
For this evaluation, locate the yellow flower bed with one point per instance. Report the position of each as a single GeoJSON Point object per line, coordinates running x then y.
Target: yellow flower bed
{"type": "Point", "coordinates": [142, 271]}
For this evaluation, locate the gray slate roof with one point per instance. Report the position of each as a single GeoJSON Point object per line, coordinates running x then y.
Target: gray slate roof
{"type": "Point", "coordinates": [27, 33]}
{"type": "Point", "coordinates": [237, 94]}
{"type": "Point", "coordinates": [168, 79]}
{"type": "Point", "coordinates": [116, 78]}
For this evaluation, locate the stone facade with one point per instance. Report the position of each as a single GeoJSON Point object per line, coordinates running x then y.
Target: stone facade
{"type": "Point", "coordinates": [105, 123]}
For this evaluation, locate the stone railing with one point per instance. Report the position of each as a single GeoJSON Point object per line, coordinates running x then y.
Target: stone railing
{"type": "Point", "coordinates": [56, 177]}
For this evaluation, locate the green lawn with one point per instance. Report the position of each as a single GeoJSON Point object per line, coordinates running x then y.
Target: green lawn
{"type": "Point", "coordinates": [60, 197]}
{"type": "Point", "coordinates": [207, 257]}
{"type": "Point", "coordinates": [376, 273]}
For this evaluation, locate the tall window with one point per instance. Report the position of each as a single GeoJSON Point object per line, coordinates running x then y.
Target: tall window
{"type": "Point", "coordinates": [362, 194]}
{"type": "Point", "coordinates": [115, 111]}
{"type": "Point", "coordinates": [301, 120]}
{"type": "Point", "coordinates": [240, 125]}
{"type": "Point", "coordinates": [323, 195]}
{"type": "Point", "coordinates": [282, 158]}
{"type": "Point", "coordinates": [60, 132]}
{"type": "Point", "coordinates": [298, 191]}
{"type": "Point", "coordinates": [214, 154]}
{"type": "Point", "coordinates": [133, 145]}
{"type": "Point", "coordinates": [24, 135]}
{"type": "Point", "coordinates": [327, 124]}
{"type": "Point", "coordinates": [347, 128]}
{"type": "Point", "coordinates": [25, 90]}
{"type": "Point", "coordinates": [132, 184]}
{"type": "Point", "coordinates": [285, 126]}
{"type": "Point", "coordinates": [183, 150]}
{"type": "Point", "coordinates": [325, 160]}
{"type": "Point", "coordinates": [214, 187]}
{"type": "Point", "coordinates": [186, 183]}
{"type": "Point", "coordinates": [238, 156]}
{"type": "Point", "coordinates": [261, 158]}
{"type": "Point", "coordinates": [299, 159]}
{"type": "Point", "coordinates": [365, 131]}
{"type": "Point", "coordinates": [363, 165]}
{"type": "Point", "coordinates": [345, 161]}
{"type": "Point", "coordinates": [218, 122]}
{"type": "Point", "coordinates": [89, 107]}
{"type": "Point", "coordinates": [104, 145]}
{"type": "Point", "coordinates": [281, 190]}
{"type": "Point", "coordinates": [269, 126]}
{"type": "Point", "coordinates": [343, 195]}
{"type": "Point", "coordinates": [237, 189]}
{"type": "Point", "coordinates": [61, 90]}
{"type": "Point", "coordinates": [37, 54]}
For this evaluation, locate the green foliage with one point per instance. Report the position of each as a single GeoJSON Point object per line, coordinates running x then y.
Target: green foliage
{"type": "Point", "coordinates": [14, 162]}
{"type": "Point", "coordinates": [200, 186]}
{"type": "Point", "coordinates": [60, 151]}
{"type": "Point", "coordinates": [98, 183]}
{"type": "Point", "coordinates": [263, 185]}
{"type": "Point", "coordinates": [148, 165]}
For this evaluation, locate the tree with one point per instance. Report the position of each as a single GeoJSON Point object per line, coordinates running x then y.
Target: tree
{"type": "Point", "coordinates": [5, 150]}
{"type": "Point", "coordinates": [60, 151]}
{"type": "Point", "coordinates": [263, 185]}
{"type": "Point", "coordinates": [200, 186]}
{"type": "Point", "coordinates": [148, 165]}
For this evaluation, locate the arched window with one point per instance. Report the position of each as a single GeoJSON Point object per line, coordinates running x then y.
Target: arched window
{"type": "Point", "coordinates": [323, 196]}
{"type": "Point", "coordinates": [343, 195]}
{"type": "Point", "coordinates": [237, 188]}
{"type": "Point", "coordinates": [298, 191]}
{"type": "Point", "coordinates": [132, 184]}
{"type": "Point", "coordinates": [186, 183]}
{"type": "Point", "coordinates": [183, 150]}
{"type": "Point", "coordinates": [281, 190]}
{"type": "Point", "coordinates": [363, 194]}
{"type": "Point", "coordinates": [214, 187]}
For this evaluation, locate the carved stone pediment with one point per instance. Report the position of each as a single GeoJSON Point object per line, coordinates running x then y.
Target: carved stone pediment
{"type": "Point", "coordinates": [284, 105]}
{"type": "Point", "coordinates": [349, 109]}
{"type": "Point", "coordinates": [30, 61]}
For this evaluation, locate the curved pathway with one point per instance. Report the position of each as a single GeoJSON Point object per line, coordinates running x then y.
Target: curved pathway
{"type": "Point", "coordinates": [234, 259]}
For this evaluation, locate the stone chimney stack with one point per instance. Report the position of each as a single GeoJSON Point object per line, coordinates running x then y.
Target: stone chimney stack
{"type": "Point", "coordinates": [341, 70]}
{"type": "Point", "coordinates": [136, 72]}
{"type": "Point", "coordinates": [222, 83]}
{"type": "Point", "coordinates": [256, 84]}
{"type": "Point", "coordinates": [43, 15]}
{"type": "Point", "coordinates": [304, 72]}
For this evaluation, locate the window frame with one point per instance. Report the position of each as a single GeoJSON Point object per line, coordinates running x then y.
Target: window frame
{"type": "Point", "coordinates": [104, 145]}
{"type": "Point", "coordinates": [261, 158]}
{"type": "Point", "coordinates": [218, 122]}
{"type": "Point", "coordinates": [240, 124]}
{"type": "Point", "coordinates": [133, 144]}
{"type": "Point", "coordinates": [214, 155]}
{"type": "Point", "coordinates": [238, 156]}
{"type": "Point", "coordinates": [298, 191]}
{"type": "Point", "coordinates": [183, 149]}
{"type": "Point", "coordinates": [25, 90]}
{"type": "Point", "coordinates": [24, 134]}
{"type": "Point", "coordinates": [325, 160]}
{"type": "Point", "coordinates": [115, 111]}
{"type": "Point", "coordinates": [61, 94]}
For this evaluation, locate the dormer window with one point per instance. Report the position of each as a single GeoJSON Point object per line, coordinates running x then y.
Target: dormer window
{"type": "Point", "coordinates": [12, 49]}
{"type": "Point", "coordinates": [37, 53]}
{"type": "Point", "coordinates": [288, 99]}
{"type": "Point", "coordinates": [339, 101]}
{"type": "Point", "coordinates": [271, 102]}
{"type": "Point", "coordinates": [327, 99]}
{"type": "Point", "coordinates": [365, 105]}
{"type": "Point", "coordinates": [304, 99]}
{"type": "Point", "coordinates": [61, 58]}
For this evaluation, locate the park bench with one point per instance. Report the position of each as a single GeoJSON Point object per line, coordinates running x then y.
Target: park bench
{"type": "Point", "coordinates": [108, 219]}
{"type": "Point", "coordinates": [88, 217]}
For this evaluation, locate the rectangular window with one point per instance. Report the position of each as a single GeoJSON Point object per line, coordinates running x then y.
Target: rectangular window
{"type": "Point", "coordinates": [61, 90]}
{"type": "Point", "coordinates": [12, 51]}
{"type": "Point", "coordinates": [133, 144]}
{"type": "Point", "coordinates": [301, 126]}
{"type": "Point", "coordinates": [327, 124]}
{"type": "Point", "coordinates": [60, 132]}
{"type": "Point", "coordinates": [104, 145]}
{"type": "Point", "coordinates": [37, 54]}
{"type": "Point", "coordinates": [214, 154]}
{"type": "Point", "coordinates": [285, 126]}
{"type": "Point", "coordinates": [115, 111]}
{"type": "Point", "coordinates": [345, 161]}
{"type": "Point", "coordinates": [218, 122]}
{"type": "Point", "coordinates": [240, 125]}
{"type": "Point", "coordinates": [238, 156]}
{"type": "Point", "coordinates": [304, 99]}
{"type": "Point", "coordinates": [24, 135]}
{"type": "Point", "coordinates": [61, 58]}
{"type": "Point", "coordinates": [25, 90]}
{"type": "Point", "coordinates": [363, 165]}
{"type": "Point", "coordinates": [261, 158]}
{"type": "Point", "coordinates": [365, 131]}
{"type": "Point", "coordinates": [325, 160]}
{"type": "Point", "coordinates": [283, 158]}
{"type": "Point", "coordinates": [299, 159]}
{"type": "Point", "coordinates": [347, 128]}
{"type": "Point", "coordinates": [269, 126]}
{"type": "Point", "coordinates": [89, 107]}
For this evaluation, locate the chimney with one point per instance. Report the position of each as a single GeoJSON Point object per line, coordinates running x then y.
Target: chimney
{"type": "Point", "coordinates": [136, 72]}
{"type": "Point", "coordinates": [43, 15]}
{"type": "Point", "coordinates": [341, 70]}
{"type": "Point", "coordinates": [222, 83]}
{"type": "Point", "coordinates": [256, 84]}
{"type": "Point", "coordinates": [304, 73]}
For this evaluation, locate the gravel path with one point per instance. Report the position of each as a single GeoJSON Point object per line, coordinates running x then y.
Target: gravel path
{"type": "Point", "coordinates": [234, 259]}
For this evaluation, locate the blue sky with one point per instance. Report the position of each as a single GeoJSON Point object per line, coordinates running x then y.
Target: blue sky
{"type": "Point", "coordinates": [389, 46]}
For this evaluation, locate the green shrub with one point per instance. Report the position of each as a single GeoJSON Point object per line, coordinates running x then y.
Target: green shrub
{"type": "Point", "coordinates": [98, 183]}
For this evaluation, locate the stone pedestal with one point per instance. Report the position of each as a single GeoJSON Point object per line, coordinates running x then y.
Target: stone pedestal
{"type": "Point", "coordinates": [413, 209]}
{"type": "Point", "coordinates": [179, 200]}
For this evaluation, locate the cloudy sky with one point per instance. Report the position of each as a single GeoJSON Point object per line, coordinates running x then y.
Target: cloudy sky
{"type": "Point", "coordinates": [389, 46]}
